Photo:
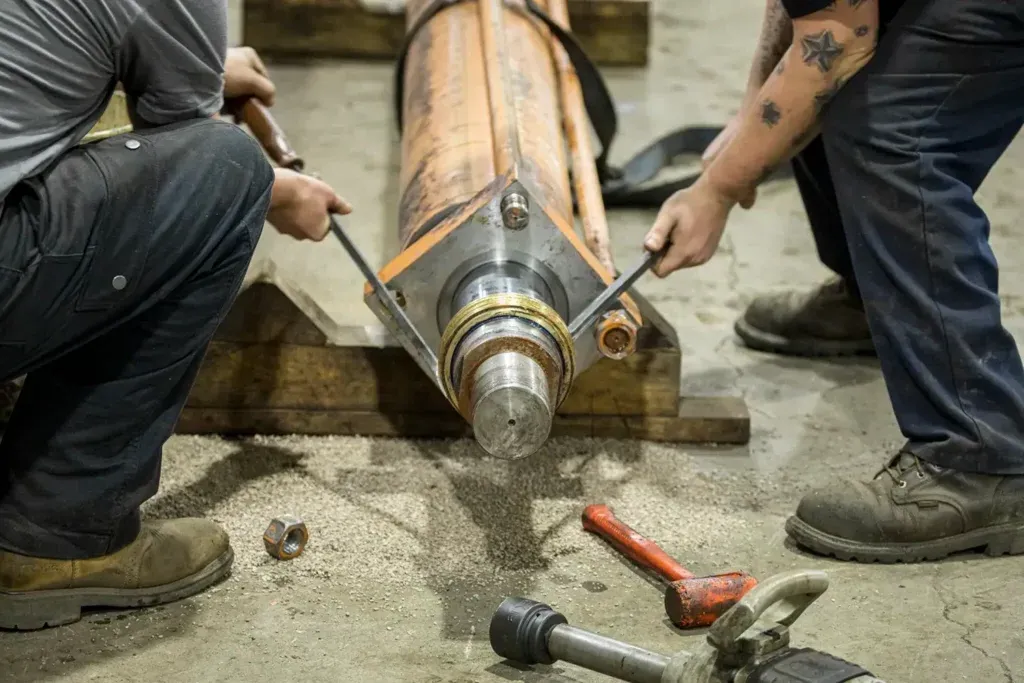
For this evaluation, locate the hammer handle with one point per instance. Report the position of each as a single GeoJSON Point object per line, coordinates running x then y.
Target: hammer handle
{"type": "Point", "coordinates": [265, 128]}
{"type": "Point", "coordinates": [600, 520]}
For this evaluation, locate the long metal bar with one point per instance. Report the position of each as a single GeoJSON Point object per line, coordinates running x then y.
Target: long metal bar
{"type": "Point", "coordinates": [606, 655]}
{"type": "Point", "coordinates": [590, 204]}
{"type": "Point", "coordinates": [422, 353]}
{"type": "Point", "coordinates": [591, 313]}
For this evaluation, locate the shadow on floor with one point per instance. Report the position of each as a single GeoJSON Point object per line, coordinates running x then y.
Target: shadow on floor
{"type": "Point", "coordinates": [497, 500]}
{"type": "Point", "coordinates": [249, 462]}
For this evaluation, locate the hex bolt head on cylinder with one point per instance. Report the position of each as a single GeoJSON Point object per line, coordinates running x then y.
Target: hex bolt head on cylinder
{"type": "Point", "coordinates": [515, 211]}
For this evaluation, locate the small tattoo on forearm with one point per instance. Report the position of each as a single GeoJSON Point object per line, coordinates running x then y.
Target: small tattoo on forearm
{"type": "Point", "coordinates": [821, 50]}
{"type": "Point", "coordinates": [770, 113]}
{"type": "Point", "coordinates": [862, 31]}
{"type": "Point", "coordinates": [780, 67]}
{"type": "Point", "coordinates": [855, 3]}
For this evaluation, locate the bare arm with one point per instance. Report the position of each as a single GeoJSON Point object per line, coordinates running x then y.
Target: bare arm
{"type": "Point", "coordinates": [828, 47]}
{"type": "Point", "coordinates": [776, 37]}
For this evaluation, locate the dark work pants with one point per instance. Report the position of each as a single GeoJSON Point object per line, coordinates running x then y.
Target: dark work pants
{"type": "Point", "coordinates": [117, 265]}
{"type": "Point", "coordinates": [889, 190]}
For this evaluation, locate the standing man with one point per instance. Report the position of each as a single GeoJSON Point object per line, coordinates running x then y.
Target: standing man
{"type": "Point", "coordinates": [911, 118]}
{"type": "Point", "coordinates": [118, 261]}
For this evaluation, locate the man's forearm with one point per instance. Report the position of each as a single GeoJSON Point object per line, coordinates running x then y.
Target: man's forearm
{"type": "Point", "coordinates": [828, 47]}
{"type": "Point", "coordinates": [776, 36]}
{"type": "Point", "coordinates": [283, 190]}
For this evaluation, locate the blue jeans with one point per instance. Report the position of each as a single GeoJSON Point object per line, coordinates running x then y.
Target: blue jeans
{"type": "Point", "coordinates": [117, 265]}
{"type": "Point", "coordinates": [889, 189]}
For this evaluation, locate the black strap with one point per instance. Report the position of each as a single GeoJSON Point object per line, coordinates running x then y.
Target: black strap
{"type": "Point", "coordinates": [621, 187]}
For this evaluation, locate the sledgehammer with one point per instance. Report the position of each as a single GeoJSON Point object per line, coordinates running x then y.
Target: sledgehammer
{"type": "Point", "coordinates": [690, 601]}
{"type": "Point", "coordinates": [267, 131]}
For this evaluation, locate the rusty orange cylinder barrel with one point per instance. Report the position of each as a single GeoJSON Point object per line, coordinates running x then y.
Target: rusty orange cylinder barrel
{"type": "Point", "coordinates": [447, 141]}
{"type": "Point", "coordinates": [481, 95]}
{"type": "Point", "coordinates": [491, 269]}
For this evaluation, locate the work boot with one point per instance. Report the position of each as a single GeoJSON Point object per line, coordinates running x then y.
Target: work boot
{"type": "Point", "coordinates": [170, 560]}
{"type": "Point", "coordinates": [826, 321]}
{"type": "Point", "coordinates": [912, 511]}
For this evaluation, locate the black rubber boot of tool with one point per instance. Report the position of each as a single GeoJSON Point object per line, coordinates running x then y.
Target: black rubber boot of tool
{"type": "Point", "coordinates": [520, 628]}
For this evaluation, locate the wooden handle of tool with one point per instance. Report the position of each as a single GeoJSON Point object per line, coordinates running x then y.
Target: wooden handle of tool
{"type": "Point", "coordinates": [600, 520]}
{"type": "Point", "coordinates": [265, 128]}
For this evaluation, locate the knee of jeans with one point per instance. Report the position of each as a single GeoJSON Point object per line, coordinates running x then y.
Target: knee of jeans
{"type": "Point", "coordinates": [239, 173]}
{"type": "Point", "coordinates": [230, 160]}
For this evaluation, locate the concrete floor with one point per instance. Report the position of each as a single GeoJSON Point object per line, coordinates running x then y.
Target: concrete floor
{"type": "Point", "coordinates": [415, 544]}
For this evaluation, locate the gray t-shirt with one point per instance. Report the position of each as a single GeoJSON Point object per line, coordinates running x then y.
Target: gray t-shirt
{"type": "Point", "coordinates": [61, 59]}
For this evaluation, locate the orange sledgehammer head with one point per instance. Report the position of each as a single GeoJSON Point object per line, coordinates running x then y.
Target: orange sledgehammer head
{"type": "Point", "coordinates": [690, 601]}
{"type": "Point", "coordinates": [698, 602]}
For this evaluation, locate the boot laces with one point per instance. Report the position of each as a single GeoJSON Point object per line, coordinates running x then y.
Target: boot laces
{"type": "Point", "coordinates": [902, 464]}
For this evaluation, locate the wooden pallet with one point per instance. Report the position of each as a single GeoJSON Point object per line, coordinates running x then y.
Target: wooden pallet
{"type": "Point", "coordinates": [280, 365]}
{"type": "Point", "coordinates": [613, 32]}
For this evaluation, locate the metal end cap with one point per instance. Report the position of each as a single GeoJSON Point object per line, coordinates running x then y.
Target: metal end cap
{"type": "Point", "coordinates": [511, 407]}
{"type": "Point", "coordinates": [520, 628]}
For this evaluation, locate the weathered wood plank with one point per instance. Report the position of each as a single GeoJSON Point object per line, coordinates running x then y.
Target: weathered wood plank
{"type": "Point", "coordinates": [715, 420]}
{"type": "Point", "coordinates": [386, 379]}
{"type": "Point", "coordinates": [613, 32]}
{"type": "Point", "coordinates": [281, 364]}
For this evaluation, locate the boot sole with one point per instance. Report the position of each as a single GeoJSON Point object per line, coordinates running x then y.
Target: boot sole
{"type": "Point", "coordinates": [806, 347]}
{"type": "Point", "coordinates": [33, 610]}
{"type": "Point", "coordinates": [1006, 539]}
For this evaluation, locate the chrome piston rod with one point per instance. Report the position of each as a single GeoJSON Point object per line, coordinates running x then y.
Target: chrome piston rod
{"type": "Point", "coordinates": [510, 394]}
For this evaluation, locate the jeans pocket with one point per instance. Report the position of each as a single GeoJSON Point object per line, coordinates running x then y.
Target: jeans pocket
{"type": "Point", "coordinates": [120, 243]}
{"type": "Point", "coordinates": [38, 319]}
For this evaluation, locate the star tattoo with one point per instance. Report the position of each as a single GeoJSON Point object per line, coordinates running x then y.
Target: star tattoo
{"type": "Point", "coordinates": [821, 50]}
{"type": "Point", "coordinates": [770, 113]}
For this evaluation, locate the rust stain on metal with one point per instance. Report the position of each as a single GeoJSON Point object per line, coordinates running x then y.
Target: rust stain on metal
{"type": "Point", "coordinates": [616, 335]}
{"type": "Point", "coordinates": [523, 345]}
{"type": "Point", "coordinates": [447, 155]}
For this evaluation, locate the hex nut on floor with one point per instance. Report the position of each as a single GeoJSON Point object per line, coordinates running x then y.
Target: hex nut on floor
{"type": "Point", "coordinates": [286, 537]}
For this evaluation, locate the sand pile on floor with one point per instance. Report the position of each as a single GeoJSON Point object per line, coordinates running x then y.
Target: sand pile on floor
{"type": "Point", "coordinates": [441, 514]}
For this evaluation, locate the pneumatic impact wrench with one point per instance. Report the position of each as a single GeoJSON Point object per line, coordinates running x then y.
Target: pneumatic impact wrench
{"type": "Point", "coordinates": [747, 644]}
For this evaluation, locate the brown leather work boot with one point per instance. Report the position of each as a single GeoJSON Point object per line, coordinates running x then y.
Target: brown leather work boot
{"type": "Point", "coordinates": [826, 321]}
{"type": "Point", "coordinates": [170, 560]}
{"type": "Point", "coordinates": [912, 511]}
